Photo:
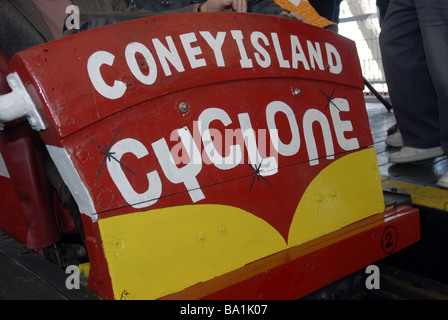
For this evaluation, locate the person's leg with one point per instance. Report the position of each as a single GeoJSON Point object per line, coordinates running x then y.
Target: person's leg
{"type": "Point", "coordinates": [433, 18]}
{"type": "Point", "coordinates": [410, 87]}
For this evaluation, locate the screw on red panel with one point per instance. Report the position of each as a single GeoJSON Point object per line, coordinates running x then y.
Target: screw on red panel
{"type": "Point", "coordinates": [297, 92]}
{"type": "Point", "coordinates": [183, 107]}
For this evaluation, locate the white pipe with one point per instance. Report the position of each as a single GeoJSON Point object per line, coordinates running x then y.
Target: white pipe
{"type": "Point", "coordinates": [18, 104]}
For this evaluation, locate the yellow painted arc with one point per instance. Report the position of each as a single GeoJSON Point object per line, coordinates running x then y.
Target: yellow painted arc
{"type": "Point", "coordinates": [159, 252]}
{"type": "Point", "coordinates": [348, 190]}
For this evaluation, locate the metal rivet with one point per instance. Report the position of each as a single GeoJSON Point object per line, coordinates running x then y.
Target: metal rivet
{"type": "Point", "coordinates": [183, 107]}
{"type": "Point", "coordinates": [222, 229]}
{"type": "Point", "coordinates": [129, 82]}
{"type": "Point", "coordinates": [201, 236]}
{"type": "Point", "coordinates": [81, 154]}
{"type": "Point", "coordinates": [297, 92]}
{"type": "Point", "coordinates": [117, 244]}
{"type": "Point", "coordinates": [105, 198]}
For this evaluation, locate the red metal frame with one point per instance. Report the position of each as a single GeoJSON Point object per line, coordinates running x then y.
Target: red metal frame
{"type": "Point", "coordinates": [80, 125]}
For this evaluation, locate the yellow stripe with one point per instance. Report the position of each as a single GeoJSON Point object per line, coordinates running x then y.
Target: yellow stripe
{"type": "Point", "coordinates": [426, 196]}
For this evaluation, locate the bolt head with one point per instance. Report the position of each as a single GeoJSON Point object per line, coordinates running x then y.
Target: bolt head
{"type": "Point", "coordinates": [183, 107]}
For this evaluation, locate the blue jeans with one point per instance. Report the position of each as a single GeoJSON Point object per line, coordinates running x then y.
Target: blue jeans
{"type": "Point", "coordinates": [414, 47]}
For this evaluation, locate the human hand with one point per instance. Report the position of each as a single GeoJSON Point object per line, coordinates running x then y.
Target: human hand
{"type": "Point", "coordinates": [221, 5]}
{"type": "Point", "coordinates": [293, 15]}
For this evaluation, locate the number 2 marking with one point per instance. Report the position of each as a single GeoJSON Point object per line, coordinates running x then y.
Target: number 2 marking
{"type": "Point", "coordinates": [389, 239]}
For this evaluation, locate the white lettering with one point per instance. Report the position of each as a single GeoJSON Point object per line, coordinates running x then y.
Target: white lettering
{"type": "Point", "coordinates": [298, 54]}
{"type": "Point", "coordinates": [244, 61]}
{"type": "Point", "coordinates": [170, 54]}
{"type": "Point", "coordinates": [94, 64]}
{"type": "Point", "coordinates": [266, 61]}
{"type": "Point", "coordinates": [187, 174]}
{"type": "Point", "coordinates": [311, 116]}
{"type": "Point", "coordinates": [267, 166]}
{"type": "Point", "coordinates": [341, 126]}
{"type": "Point", "coordinates": [235, 154]}
{"type": "Point", "coordinates": [336, 64]}
{"type": "Point", "coordinates": [136, 200]}
{"type": "Point", "coordinates": [188, 310]}
{"type": "Point", "coordinates": [141, 63]}
{"type": "Point", "coordinates": [187, 39]}
{"type": "Point", "coordinates": [278, 51]}
{"type": "Point", "coordinates": [265, 163]}
{"type": "Point", "coordinates": [294, 145]}
{"type": "Point", "coordinates": [216, 45]}
{"type": "Point", "coordinates": [131, 50]}
{"type": "Point", "coordinates": [315, 55]}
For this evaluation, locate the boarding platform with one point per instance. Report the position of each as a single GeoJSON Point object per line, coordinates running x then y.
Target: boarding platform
{"type": "Point", "coordinates": [26, 275]}
{"type": "Point", "coordinates": [418, 179]}
{"type": "Point", "coordinates": [418, 183]}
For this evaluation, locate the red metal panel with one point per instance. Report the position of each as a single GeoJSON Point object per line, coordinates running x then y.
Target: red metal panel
{"type": "Point", "coordinates": [31, 202]}
{"type": "Point", "coordinates": [99, 277]}
{"type": "Point", "coordinates": [74, 104]}
{"type": "Point", "coordinates": [11, 215]}
{"type": "Point", "coordinates": [130, 126]}
{"type": "Point", "coordinates": [292, 66]}
{"type": "Point", "coordinates": [4, 59]}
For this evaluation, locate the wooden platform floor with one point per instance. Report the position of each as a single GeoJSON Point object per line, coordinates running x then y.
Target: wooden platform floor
{"type": "Point", "coordinates": [25, 275]}
{"type": "Point", "coordinates": [418, 179]}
